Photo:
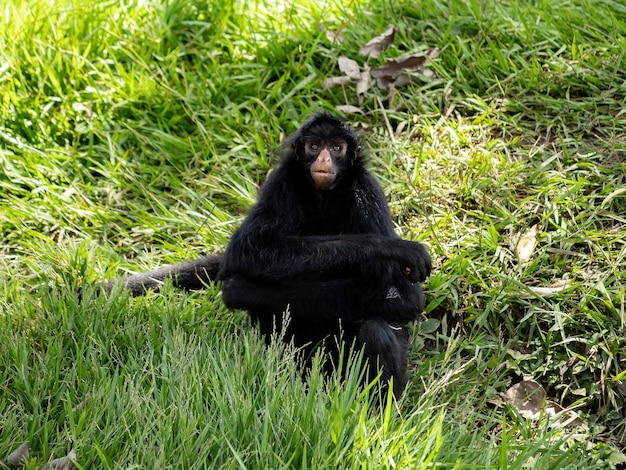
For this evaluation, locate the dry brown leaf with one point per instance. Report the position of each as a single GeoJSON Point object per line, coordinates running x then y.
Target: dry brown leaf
{"type": "Point", "coordinates": [63, 463]}
{"type": "Point", "coordinates": [398, 66]}
{"type": "Point", "coordinates": [552, 289]}
{"type": "Point", "coordinates": [360, 128]}
{"type": "Point", "coordinates": [528, 397]}
{"type": "Point", "coordinates": [565, 417]}
{"type": "Point", "coordinates": [19, 456]}
{"type": "Point", "coordinates": [349, 67]}
{"type": "Point", "coordinates": [568, 365]}
{"type": "Point", "coordinates": [394, 67]}
{"type": "Point", "coordinates": [427, 73]}
{"type": "Point", "coordinates": [403, 79]}
{"type": "Point", "coordinates": [380, 43]}
{"type": "Point", "coordinates": [363, 84]}
{"type": "Point", "coordinates": [393, 73]}
{"type": "Point", "coordinates": [335, 37]}
{"type": "Point", "coordinates": [333, 82]}
{"type": "Point", "coordinates": [384, 83]}
{"type": "Point", "coordinates": [527, 243]}
{"type": "Point", "coordinates": [433, 53]}
{"type": "Point", "coordinates": [349, 109]}
{"type": "Point", "coordinates": [530, 400]}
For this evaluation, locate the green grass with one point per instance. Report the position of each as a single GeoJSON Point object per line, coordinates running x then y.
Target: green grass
{"type": "Point", "coordinates": [134, 134]}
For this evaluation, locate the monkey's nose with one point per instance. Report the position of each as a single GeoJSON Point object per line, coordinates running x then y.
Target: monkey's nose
{"type": "Point", "coordinates": [324, 155]}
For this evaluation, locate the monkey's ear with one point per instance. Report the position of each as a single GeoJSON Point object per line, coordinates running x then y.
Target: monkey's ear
{"type": "Point", "coordinates": [295, 146]}
{"type": "Point", "coordinates": [294, 141]}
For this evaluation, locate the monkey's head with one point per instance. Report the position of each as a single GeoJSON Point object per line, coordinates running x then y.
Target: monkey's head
{"type": "Point", "coordinates": [326, 147]}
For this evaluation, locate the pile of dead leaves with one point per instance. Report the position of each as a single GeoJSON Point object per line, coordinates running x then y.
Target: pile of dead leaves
{"type": "Point", "coordinates": [395, 72]}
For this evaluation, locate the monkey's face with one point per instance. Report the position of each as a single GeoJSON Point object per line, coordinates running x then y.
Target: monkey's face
{"type": "Point", "coordinates": [326, 150]}
{"type": "Point", "coordinates": [328, 159]}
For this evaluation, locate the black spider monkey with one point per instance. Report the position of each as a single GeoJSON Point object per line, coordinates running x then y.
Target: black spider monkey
{"type": "Point", "coordinates": [319, 243]}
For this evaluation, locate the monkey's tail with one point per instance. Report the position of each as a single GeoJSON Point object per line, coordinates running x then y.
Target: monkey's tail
{"type": "Point", "coordinates": [190, 275]}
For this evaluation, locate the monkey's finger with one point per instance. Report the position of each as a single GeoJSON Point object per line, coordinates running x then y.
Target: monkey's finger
{"type": "Point", "coordinates": [411, 273]}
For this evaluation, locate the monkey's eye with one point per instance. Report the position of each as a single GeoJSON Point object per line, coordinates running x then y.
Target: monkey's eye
{"type": "Point", "coordinates": [339, 149]}
{"type": "Point", "coordinates": [312, 148]}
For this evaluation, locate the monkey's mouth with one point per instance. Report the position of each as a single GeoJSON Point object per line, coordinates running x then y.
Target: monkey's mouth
{"type": "Point", "coordinates": [323, 179]}
{"type": "Point", "coordinates": [323, 175]}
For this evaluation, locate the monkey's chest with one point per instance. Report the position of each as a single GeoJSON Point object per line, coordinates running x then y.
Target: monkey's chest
{"type": "Point", "coordinates": [327, 220]}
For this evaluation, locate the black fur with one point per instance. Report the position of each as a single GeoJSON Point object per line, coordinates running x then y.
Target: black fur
{"type": "Point", "coordinates": [190, 275]}
{"type": "Point", "coordinates": [330, 257]}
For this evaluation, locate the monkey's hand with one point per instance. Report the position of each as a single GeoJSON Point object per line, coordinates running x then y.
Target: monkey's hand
{"type": "Point", "coordinates": [416, 262]}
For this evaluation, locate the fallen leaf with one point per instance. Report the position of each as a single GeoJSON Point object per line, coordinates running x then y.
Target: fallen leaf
{"type": "Point", "coordinates": [363, 84]}
{"type": "Point", "coordinates": [333, 82]}
{"type": "Point", "coordinates": [427, 73]}
{"type": "Point", "coordinates": [433, 53]}
{"type": "Point", "coordinates": [360, 128]}
{"type": "Point", "coordinates": [63, 463]}
{"type": "Point", "coordinates": [550, 290]}
{"type": "Point", "coordinates": [395, 67]}
{"type": "Point", "coordinates": [565, 417]}
{"type": "Point", "coordinates": [563, 370]}
{"type": "Point", "coordinates": [349, 67]}
{"type": "Point", "coordinates": [334, 37]}
{"type": "Point", "coordinates": [380, 43]}
{"type": "Point", "coordinates": [527, 397]}
{"type": "Point", "coordinates": [403, 79]}
{"type": "Point", "coordinates": [530, 400]}
{"type": "Point", "coordinates": [384, 83]}
{"type": "Point", "coordinates": [19, 456]}
{"type": "Point", "coordinates": [527, 243]}
{"type": "Point", "coordinates": [349, 109]}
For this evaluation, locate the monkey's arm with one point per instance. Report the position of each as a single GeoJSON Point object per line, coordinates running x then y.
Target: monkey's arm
{"type": "Point", "coordinates": [347, 298]}
{"type": "Point", "coordinates": [277, 241]}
